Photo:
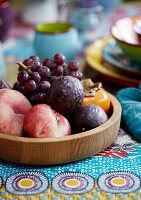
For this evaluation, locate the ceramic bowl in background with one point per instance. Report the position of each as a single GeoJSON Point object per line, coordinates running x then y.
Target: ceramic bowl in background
{"type": "Point", "coordinates": [137, 29]}
{"type": "Point", "coordinates": [109, 5]}
{"type": "Point", "coordinates": [58, 37]}
{"type": "Point", "coordinates": [5, 18]}
{"type": "Point", "coordinates": [123, 32]}
{"type": "Point", "coordinates": [85, 15]}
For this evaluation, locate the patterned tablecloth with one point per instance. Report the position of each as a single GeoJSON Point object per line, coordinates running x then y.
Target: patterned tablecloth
{"type": "Point", "coordinates": [113, 174]}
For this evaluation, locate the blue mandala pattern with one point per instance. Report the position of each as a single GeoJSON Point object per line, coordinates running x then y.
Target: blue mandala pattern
{"type": "Point", "coordinates": [72, 183]}
{"type": "Point", "coordinates": [119, 182]}
{"type": "Point", "coordinates": [26, 183]}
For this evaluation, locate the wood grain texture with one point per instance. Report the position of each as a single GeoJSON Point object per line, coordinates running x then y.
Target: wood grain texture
{"type": "Point", "coordinates": [51, 151]}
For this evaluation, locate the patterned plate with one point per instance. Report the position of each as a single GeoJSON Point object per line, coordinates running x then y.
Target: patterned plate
{"type": "Point", "coordinates": [93, 56]}
{"type": "Point", "coordinates": [113, 54]}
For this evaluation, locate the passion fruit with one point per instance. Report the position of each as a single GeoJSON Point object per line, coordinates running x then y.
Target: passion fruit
{"type": "Point", "coordinates": [65, 95]}
{"type": "Point", "coordinates": [88, 117]}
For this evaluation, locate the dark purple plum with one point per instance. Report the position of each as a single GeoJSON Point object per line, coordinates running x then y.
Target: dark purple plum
{"type": "Point", "coordinates": [88, 117]}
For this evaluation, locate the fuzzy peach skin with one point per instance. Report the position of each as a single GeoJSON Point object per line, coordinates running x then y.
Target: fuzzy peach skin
{"type": "Point", "coordinates": [13, 107]}
{"type": "Point", "coordinates": [43, 122]}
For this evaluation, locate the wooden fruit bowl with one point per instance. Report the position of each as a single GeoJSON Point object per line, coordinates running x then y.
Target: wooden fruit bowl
{"type": "Point", "coordinates": [51, 151]}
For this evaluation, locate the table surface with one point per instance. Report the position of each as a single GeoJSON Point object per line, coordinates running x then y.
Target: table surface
{"type": "Point", "coordinates": [113, 174]}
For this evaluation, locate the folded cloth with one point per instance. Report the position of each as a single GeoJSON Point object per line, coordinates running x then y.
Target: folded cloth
{"type": "Point", "coordinates": [130, 99]}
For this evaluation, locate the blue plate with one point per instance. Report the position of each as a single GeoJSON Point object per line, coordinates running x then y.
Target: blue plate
{"type": "Point", "coordinates": [113, 54]}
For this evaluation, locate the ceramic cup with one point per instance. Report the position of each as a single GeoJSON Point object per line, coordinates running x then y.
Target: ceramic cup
{"type": "Point", "coordinates": [58, 37]}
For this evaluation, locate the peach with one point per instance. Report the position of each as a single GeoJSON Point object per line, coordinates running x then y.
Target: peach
{"type": "Point", "coordinates": [43, 122]}
{"type": "Point", "coordinates": [13, 107]}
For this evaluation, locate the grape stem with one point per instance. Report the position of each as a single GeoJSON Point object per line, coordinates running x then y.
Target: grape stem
{"type": "Point", "coordinates": [24, 67]}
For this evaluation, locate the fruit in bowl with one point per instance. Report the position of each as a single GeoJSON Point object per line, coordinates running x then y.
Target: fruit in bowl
{"type": "Point", "coordinates": [58, 97]}
{"type": "Point", "coordinates": [53, 143]}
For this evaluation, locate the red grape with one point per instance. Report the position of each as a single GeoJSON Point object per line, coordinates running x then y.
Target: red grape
{"type": "Point", "coordinates": [30, 86]}
{"type": "Point", "coordinates": [32, 98]}
{"type": "Point", "coordinates": [73, 65]}
{"type": "Point", "coordinates": [16, 86]}
{"type": "Point", "coordinates": [44, 72]}
{"type": "Point", "coordinates": [27, 62]}
{"type": "Point", "coordinates": [44, 86]}
{"type": "Point", "coordinates": [22, 89]}
{"type": "Point", "coordinates": [58, 71]}
{"type": "Point", "coordinates": [34, 58]}
{"type": "Point", "coordinates": [53, 78]}
{"type": "Point", "coordinates": [77, 75]}
{"type": "Point", "coordinates": [35, 66]}
{"type": "Point", "coordinates": [59, 59]}
{"type": "Point", "coordinates": [49, 63]}
{"type": "Point", "coordinates": [23, 76]}
{"type": "Point", "coordinates": [36, 77]}
{"type": "Point", "coordinates": [41, 97]}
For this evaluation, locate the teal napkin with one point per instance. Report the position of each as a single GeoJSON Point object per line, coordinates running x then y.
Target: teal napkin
{"type": "Point", "coordinates": [130, 99]}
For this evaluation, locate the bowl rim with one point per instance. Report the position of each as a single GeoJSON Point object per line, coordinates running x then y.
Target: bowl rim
{"type": "Point", "coordinates": [124, 42]}
{"type": "Point", "coordinates": [115, 115]}
{"type": "Point", "coordinates": [71, 28]}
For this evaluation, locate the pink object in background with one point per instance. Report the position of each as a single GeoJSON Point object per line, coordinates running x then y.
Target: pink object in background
{"type": "Point", "coordinates": [5, 18]}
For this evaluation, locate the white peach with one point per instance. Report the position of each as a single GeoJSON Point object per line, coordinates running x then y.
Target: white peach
{"type": "Point", "coordinates": [13, 107]}
{"type": "Point", "coordinates": [43, 122]}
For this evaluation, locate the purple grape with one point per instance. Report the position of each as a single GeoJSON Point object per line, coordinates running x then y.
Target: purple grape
{"type": "Point", "coordinates": [27, 62]}
{"type": "Point", "coordinates": [73, 65]}
{"type": "Point", "coordinates": [22, 89]}
{"type": "Point", "coordinates": [44, 86]}
{"type": "Point", "coordinates": [40, 97]}
{"type": "Point", "coordinates": [64, 65]}
{"type": "Point", "coordinates": [23, 76]}
{"type": "Point", "coordinates": [49, 63]}
{"type": "Point", "coordinates": [20, 68]}
{"type": "Point", "coordinates": [32, 99]}
{"type": "Point", "coordinates": [34, 58]}
{"type": "Point", "coordinates": [66, 72]}
{"type": "Point", "coordinates": [77, 75]}
{"type": "Point", "coordinates": [16, 86]}
{"type": "Point", "coordinates": [53, 78]}
{"type": "Point", "coordinates": [36, 77]}
{"type": "Point", "coordinates": [44, 72]}
{"type": "Point", "coordinates": [36, 65]}
{"type": "Point", "coordinates": [59, 59]}
{"type": "Point", "coordinates": [30, 86]}
{"type": "Point", "coordinates": [58, 71]}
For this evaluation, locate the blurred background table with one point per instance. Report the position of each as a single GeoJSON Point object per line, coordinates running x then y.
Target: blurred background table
{"type": "Point", "coordinates": [112, 174]}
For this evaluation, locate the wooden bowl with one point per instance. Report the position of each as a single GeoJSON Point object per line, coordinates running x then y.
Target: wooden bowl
{"type": "Point", "coordinates": [123, 32]}
{"type": "Point", "coordinates": [51, 151]}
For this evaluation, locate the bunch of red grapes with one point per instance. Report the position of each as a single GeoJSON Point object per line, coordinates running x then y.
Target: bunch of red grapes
{"type": "Point", "coordinates": [34, 78]}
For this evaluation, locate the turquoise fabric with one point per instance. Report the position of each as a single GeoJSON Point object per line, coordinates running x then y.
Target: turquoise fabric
{"type": "Point", "coordinates": [130, 99]}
